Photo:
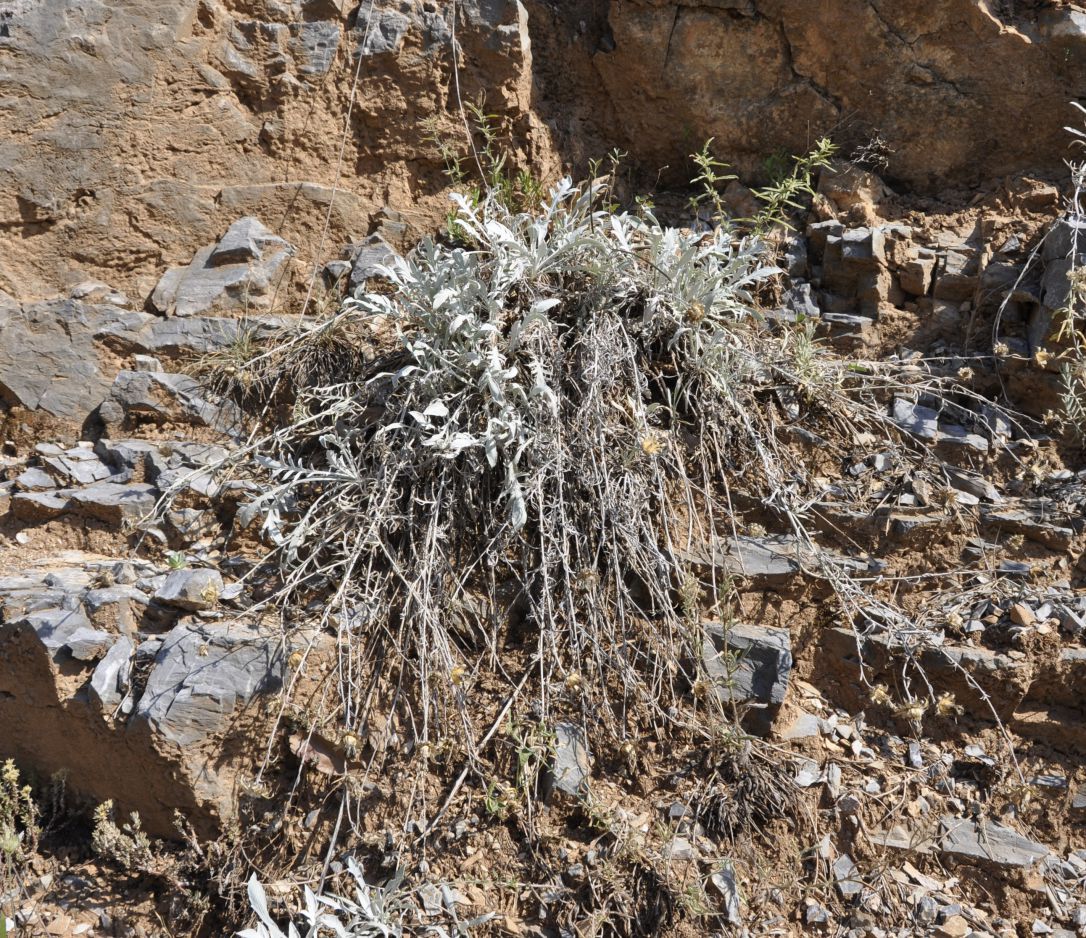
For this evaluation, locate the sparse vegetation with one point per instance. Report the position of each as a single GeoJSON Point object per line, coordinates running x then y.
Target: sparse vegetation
{"type": "Point", "coordinates": [484, 170]}
{"type": "Point", "coordinates": [1070, 319]}
{"type": "Point", "coordinates": [19, 833]}
{"type": "Point", "coordinates": [126, 845]}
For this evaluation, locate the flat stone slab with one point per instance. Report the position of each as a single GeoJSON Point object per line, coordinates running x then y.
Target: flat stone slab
{"type": "Point", "coordinates": [55, 627]}
{"type": "Point", "coordinates": [88, 644]}
{"type": "Point", "coordinates": [766, 562]}
{"type": "Point", "coordinates": [987, 840]}
{"type": "Point", "coordinates": [110, 680]}
{"type": "Point", "coordinates": [114, 503]}
{"type": "Point", "coordinates": [748, 662]}
{"type": "Point", "coordinates": [191, 589]}
{"type": "Point", "coordinates": [203, 674]}
{"type": "Point", "coordinates": [572, 763]}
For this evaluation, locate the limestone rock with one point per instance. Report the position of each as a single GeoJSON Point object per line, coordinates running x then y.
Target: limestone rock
{"type": "Point", "coordinates": [115, 504]}
{"type": "Point", "coordinates": [572, 764]}
{"type": "Point", "coordinates": [89, 644]}
{"type": "Point", "coordinates": [366, 258]}
{"type": "Point", "coordinates": [111, 677]}
{"type": "Point", "coordinates": [162, 397]}
{"type": "Point", "coordinates": [78, 466]}
{"type": "Point", "coordinates": [34, 480]}
{"type": "Point", "coordinates": [987, 840]}
{"type": "Point", "coordinates": [918, 420]}
{"type": "Point", "coordinates": [314, 46]}
{"type": "Point", "coordinates": [239, 272]}
{"type": "Point", "coordinates": [48, 355]}
{"type": "Point", "coordinates": [54, 628]}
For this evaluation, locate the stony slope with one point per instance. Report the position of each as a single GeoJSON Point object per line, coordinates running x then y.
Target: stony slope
{"type": "Point", "coordinates": [167, 183]}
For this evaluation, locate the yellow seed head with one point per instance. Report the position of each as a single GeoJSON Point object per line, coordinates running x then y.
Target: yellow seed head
{"type": "Point", "coordinates": [880, 696]}
{"type": "Point", "coordinates": [652, 443]}
{"type": "Point", "coordinates": [458, 675]}
{"type": "Point", "coordinates": [946, 706]}
{"type": "Point", "coordinates": [913, 710]}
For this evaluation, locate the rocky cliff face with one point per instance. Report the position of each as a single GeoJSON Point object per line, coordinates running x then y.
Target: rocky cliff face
{"type": "Point", "coordinates": [132, 129]}
{"type": "Point", "coordinates": [958, 91]}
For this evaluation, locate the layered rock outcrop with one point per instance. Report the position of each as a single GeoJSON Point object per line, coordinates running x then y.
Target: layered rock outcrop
{"type": "Point", "coordinates": [157, 122]}
{"type": "Point", "coordinates": [961, 91]}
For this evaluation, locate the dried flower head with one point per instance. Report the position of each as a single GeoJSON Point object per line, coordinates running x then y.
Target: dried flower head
{"type": "Point", "coordinates": [652, 443]}
{"type": "Point", "coordinates": [880, 696]}
{"type": "Point", "coordinates": [586, 580]}
{"type": "Point", "coordinates": [913, 710]}
{"type": "Point", "coordinates": [695, 313]}
{"type": "Point", "coordinates": [946, 706]}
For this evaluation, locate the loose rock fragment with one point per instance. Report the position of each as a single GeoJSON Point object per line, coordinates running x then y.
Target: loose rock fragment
{"type": "Point", "coordinates": [191, 589]}
{"type": "Point", "coordinates": [572, 763]}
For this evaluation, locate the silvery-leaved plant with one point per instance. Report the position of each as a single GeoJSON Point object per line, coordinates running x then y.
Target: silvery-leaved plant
{"type": "Point", "coordinates": [388, 911]}
{"type": "Point", "coordinates": [475, 385]}
{"type": "Point", "coordinates": [568, 404]}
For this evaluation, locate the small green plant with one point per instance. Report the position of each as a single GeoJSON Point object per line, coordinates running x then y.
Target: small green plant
{"type": "Point", "coordinates": [1069, 320]}
{"type": "Point", "coordinates": [499, 799]}
{"type": "Point", "coordinates": [19, 830]}
{"type": "Point", "coordinates": [783, 195]}
{"type": "Point", "coordinates": [534, 746]}
{"type": "Point", "coordinates": [711, 179]}
{"type": "Point", "coordinates": [518, 191]}
{"type": "Point", "coordinates": [128, 846]}
{"type": "Point", "coordinates": [788, 184]}
{"type": "Point", "coordinates": [176, 560]}
{"type": "Point", "coordinates": [806, 353]}
{"type": "Point", "coordinates": [18, 815]}
{"type": "Point", "coordinates": [1071, 329]}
